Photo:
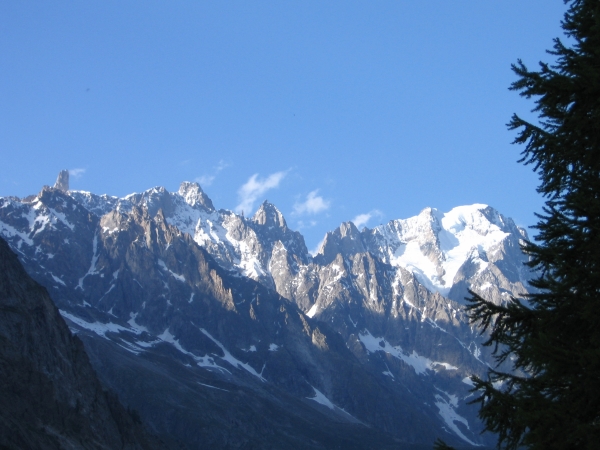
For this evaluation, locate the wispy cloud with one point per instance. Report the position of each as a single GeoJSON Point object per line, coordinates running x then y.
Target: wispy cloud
{"type": "Point", "coordinates": [76, 173]}
{"type": "Point", "coordinates": [362, 219]}
{"type": "Point", "coordinates": [302, 224]}
{"type": "Point", "coordinates": [312, 205]}
{"type": "Point", "coordinates": [255, 187]}
{"type": "Point", "coordinates": [222, 164]}
{"type": "Point", "coordinates": [207, 179]}
{"type": "Point", "coordinates": [315, 250]}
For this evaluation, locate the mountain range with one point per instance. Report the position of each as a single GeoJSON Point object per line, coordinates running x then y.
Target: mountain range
{"type": "Point", "coordinates": [223, 331]}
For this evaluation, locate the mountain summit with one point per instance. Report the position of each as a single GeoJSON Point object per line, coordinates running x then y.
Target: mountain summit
{"type": "Point", "coordinates": [62, 181]}
{"type": "Point", "coordinates": [194, 195]}
{"type": "Point", "coordinates": [268, 215]}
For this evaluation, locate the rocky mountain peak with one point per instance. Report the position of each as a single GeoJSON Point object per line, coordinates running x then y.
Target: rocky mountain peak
{"type": "Point", "coordinates": [269, 215]}
{"type": "Point", "coordinates": [62, 182]}
{"type": "Point", "coordinates": [349, 230]}
{"type": "Point", "coordinates": [429, 220]}
{"type": "Point", "coordinates": [193, 195]}
{"type": "Point", "coordinates": [345, 240]}
{"type": "Point", "coordinates": [153, 200]}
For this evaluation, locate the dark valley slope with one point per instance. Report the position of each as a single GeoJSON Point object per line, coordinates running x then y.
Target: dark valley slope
{"type": "Point", "coordinates": [50, 397]}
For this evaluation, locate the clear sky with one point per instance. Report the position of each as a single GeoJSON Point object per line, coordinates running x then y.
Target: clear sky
{"type": "Point", "coordinates": [331, 110]}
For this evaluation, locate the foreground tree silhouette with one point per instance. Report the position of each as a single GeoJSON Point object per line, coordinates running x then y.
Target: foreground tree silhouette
{"type": "Point", "coordinates": [552, 337]}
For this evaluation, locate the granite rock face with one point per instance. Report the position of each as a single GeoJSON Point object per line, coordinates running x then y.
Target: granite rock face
{"type": "Point", "coordinates": [62, 181]}
{"type": "Point", "coordinates": [224, 332]}
{"type": "Point", "coordinates": [50, 397]}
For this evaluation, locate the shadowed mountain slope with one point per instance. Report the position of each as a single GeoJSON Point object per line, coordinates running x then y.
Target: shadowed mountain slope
{"type": "Point", "coordinates": [50, 397]}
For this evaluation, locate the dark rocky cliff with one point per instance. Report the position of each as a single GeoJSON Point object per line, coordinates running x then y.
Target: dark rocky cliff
{"type": "Point", "coordinates": [50, 397]}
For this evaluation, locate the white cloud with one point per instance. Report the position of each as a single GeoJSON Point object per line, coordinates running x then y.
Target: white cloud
{"type": "Point", "coordinates": [207, 180]}
{"type": "Point", "coordinates": [255, 187]}
{"type": "Point", "coordinates": [313, 204]}
{"type": "Point", "coordinates": [76, 173]}
{"type": "Point", "coordinates": [362, 219]}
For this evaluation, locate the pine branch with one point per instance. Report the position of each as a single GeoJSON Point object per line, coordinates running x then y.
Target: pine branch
{"type": "Point", "coordinates": [441, 445]}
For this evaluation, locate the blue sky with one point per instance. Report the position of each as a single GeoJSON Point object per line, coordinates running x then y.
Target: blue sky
{"type": "Point", "coordinates": [331, 110]}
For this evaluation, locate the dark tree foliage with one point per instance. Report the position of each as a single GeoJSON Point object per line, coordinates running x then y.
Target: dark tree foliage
{"type": "Point", "coordinates": [552, 337]}
{"type": "Point", "coordinates": [441, 445]}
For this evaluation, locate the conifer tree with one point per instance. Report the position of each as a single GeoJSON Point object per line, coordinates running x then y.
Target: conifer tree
{"type": "Point", "coordinates": [552, 336]}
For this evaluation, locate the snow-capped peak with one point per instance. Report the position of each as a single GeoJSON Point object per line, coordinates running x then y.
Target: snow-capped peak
{"type": "Point", "coordinates": [193, 195]}
{"type": "Point", "coordinates": [480, 218]}
{"type": "Point", "coordinates": [434, 245]}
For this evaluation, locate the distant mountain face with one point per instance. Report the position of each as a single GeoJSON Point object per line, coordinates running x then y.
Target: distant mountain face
{"type": "Point", "coordinates": [50, 397]}
{"type": "Point", "coordinates": [223, 331]}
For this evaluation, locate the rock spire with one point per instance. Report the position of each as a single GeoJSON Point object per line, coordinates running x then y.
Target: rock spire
{"type": "Point", "coordinates": [62, 182]}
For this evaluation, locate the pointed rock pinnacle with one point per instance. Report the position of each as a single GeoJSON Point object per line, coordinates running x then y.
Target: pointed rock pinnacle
{"type": "Point", "coordinates": [62, 182]}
